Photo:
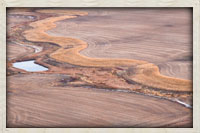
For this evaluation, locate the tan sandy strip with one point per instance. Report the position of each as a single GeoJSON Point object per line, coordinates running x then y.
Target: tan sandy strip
{"type": "Point", "coordinates": [145, 73]}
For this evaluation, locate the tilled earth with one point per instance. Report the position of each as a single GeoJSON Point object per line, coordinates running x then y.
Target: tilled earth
{"type": "Point", "coordinates": [68, 95]}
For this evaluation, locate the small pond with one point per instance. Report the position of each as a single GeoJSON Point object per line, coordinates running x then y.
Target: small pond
{"type": "Point", "coordinates": [29, 66]}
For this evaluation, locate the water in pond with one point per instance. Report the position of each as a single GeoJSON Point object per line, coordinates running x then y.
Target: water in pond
{"type": "Point", "coordinates": [30, 66]}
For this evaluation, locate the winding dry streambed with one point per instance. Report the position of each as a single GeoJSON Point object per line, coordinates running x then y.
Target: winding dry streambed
{"type": "Point", "coordinates": [81, 91]}
{"type": "Point", "coordinates": [145, 73]}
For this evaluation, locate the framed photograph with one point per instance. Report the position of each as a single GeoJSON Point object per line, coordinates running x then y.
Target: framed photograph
{"type": "Point", "coordinates": [100, 66]}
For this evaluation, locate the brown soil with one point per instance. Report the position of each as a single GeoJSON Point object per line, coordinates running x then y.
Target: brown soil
{"type": "Point", "coordinates": [44, 102]}
{"type": "Point", "coordinates": [51, 98]}
{"type": "Point", "coordinates": [125, 34]}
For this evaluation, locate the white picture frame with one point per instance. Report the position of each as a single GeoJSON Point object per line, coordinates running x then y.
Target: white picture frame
{"type": "Point", "coordinates": [103, 3]}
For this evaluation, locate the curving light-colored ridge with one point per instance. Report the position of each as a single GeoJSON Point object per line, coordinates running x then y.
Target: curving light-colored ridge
{"type": "Point", "coordinates": [145, 73]}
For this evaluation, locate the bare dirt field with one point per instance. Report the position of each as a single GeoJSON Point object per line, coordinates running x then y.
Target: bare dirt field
{"type": "Point", "coordinates": [136, 34]}
{"type": "Point", "coordinates": [106, 68]}
{"type": "Point", "coordinates": [42, 102]}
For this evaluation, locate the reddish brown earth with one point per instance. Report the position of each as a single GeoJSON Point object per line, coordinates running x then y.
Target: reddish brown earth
{"type": "Point", "coordinates": [72, 94]}
{"type": "Point", "coordinates": [126, 34]}
{"type": "Point", "coordinates": [45, 102]}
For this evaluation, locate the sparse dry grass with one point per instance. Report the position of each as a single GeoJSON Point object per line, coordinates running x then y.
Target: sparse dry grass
{"type": "Point", "coordinates": [146, 73]}
{"type": "Point", "coordinates": [65, 95]}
